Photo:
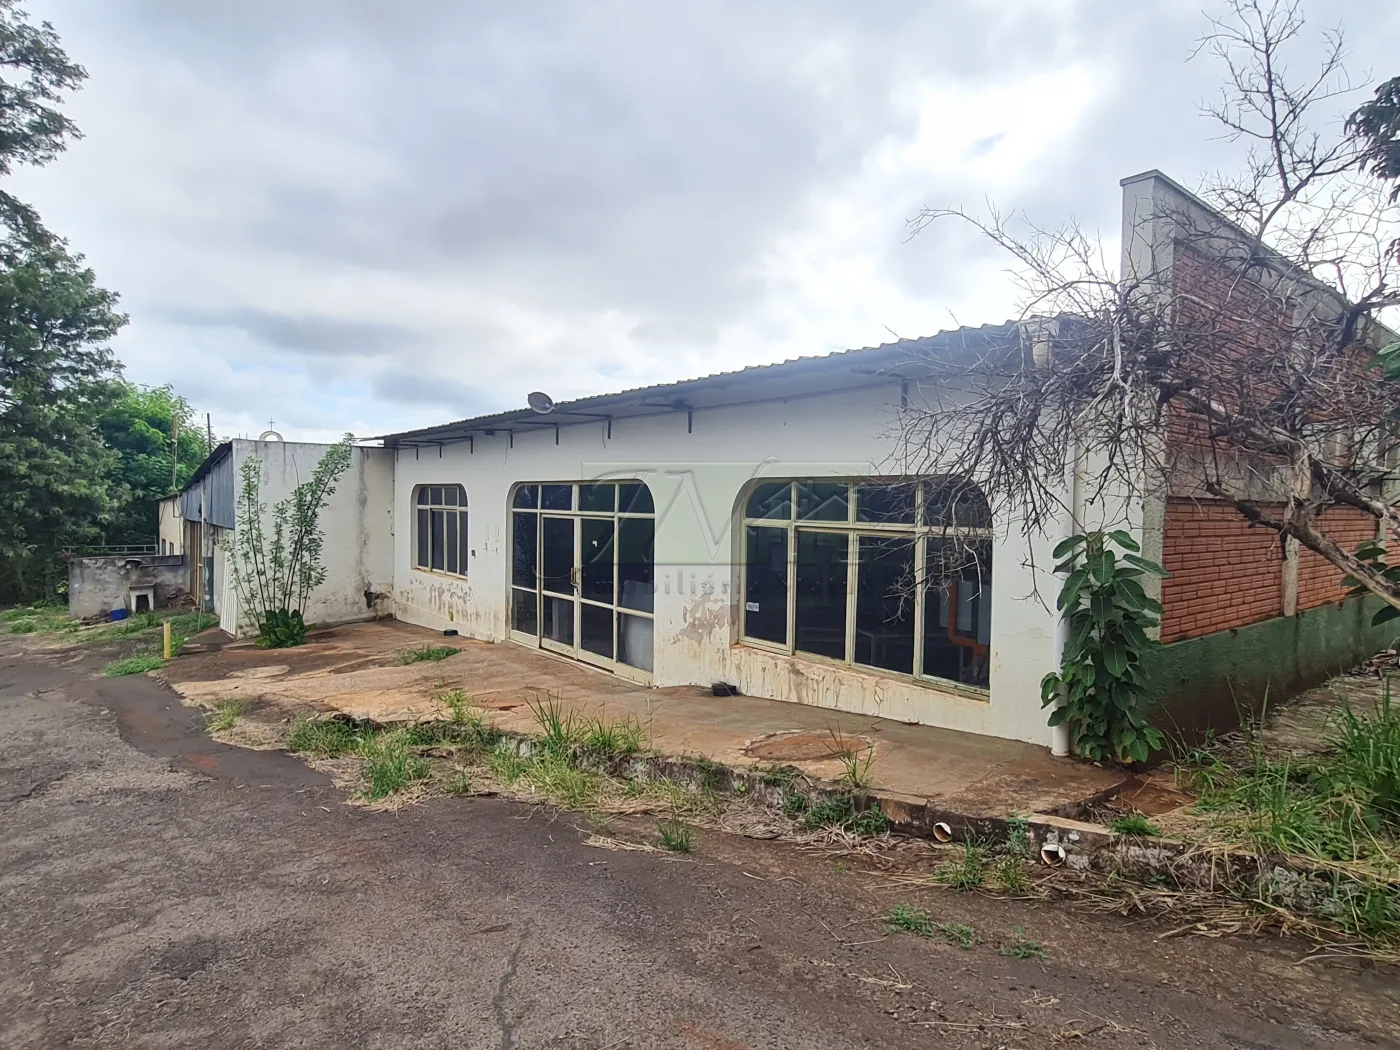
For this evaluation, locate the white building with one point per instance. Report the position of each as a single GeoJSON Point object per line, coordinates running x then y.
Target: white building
{"type": "Point", "coordinates": [751, 528]}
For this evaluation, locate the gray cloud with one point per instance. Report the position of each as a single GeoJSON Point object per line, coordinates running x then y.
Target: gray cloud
{"type": "Point", "coordinates": [347, 205]}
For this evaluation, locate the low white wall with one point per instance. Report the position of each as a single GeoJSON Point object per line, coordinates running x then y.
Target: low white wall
{"type": "Point", "coordinates": [696, 478]}
{"type": "Point", "coordinates": [358, 527]}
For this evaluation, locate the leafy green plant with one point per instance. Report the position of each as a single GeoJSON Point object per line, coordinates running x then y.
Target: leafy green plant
{"type": "Point", "coordinates": [958, 933]}
{"type": "Point", "coordinates": [225, 716]}
{"type": "Point", "coordinates": [1019, 946]}
{"type": "Point", "coordinates": [139, 664]}
{"type": "Point", "coordinates": [426, 654]}
{"type": "Point", "coordinates": [274, 571]}
{"type": "Point", "coordinates": [1099, 692]}
{"type": "Point", "coordinates": [1133, 823]}
{"type": "Point", "coordinates": [676, 835]}
{"type": "Point", "coordinates": [909, 919]}
{"type": "Point", "coordinates": [322, 737]}
{"type": "Point", "coordinates": [842, 811]}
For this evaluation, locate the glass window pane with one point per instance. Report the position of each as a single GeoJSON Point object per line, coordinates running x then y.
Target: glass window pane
{"type": "Point", "coordinates": [823, 501]}
{"type": "Point", "coordinates": [557, 497]}
{"type": "Point", "coordinates": [633, 497]}
{"type": "Point", "coordinates": [524, 550]}
{"type": "Point", "coordinates": [766, 590]}
{"type": "Point", "coordinates": [461, 496]}
{"type": "Point", "coordinates": [596, 551]}
{"type": "Point", "coordinates": [957, 612]}
{"type": "Point", "coordinates": [634, 641]}
{"type": "Point", "coordinates": [449, 495]}
{"type": "Point", "coordinates": [821, 593]}
{"type": "Point", "coordinates": [422, 495]}
{"type": "Point", "coordinates": [557, 555]}
{"type": "Point", "coordinates": [525, 612]}
{"type": "Point", "coordinates": [598, 498]}
{"type": "Point", "coordinates": [527, 496]}
{"type": "Point", "coordinates": [952, 502]}
{"type": "Point", "coordinates": [595, 630]}
{"type": "Point", "coordinates": [464, 553]}
{"type": "Point", "coordinates": [559, 620]}
{"type": "Point", "coordinates": [422, 560]}
{"type": "Point", "coordinates": [890, 504]}
{"type": "Point", "coordinates": [636, 563]}
{"type": "Point", "coordinates": [435, 495]}
{"type": "Point", "coordinates": [771, 500]}
{"type": "Point", "coordinates": [450, 547]}
{"type": "Point", "coordinates": [437, 530]}
{"type": "Point", "coordinates": [885, 595]}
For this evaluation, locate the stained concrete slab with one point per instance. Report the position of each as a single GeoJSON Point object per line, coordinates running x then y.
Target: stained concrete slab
{"type": "Point", "coordinates": [355, 669]}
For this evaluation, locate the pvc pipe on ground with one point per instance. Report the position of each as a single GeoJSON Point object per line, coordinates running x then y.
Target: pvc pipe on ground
{"type": "Point", "coordinates": [1059, 735]}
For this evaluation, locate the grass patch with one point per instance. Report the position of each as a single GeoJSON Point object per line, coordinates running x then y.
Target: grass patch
{"type": "Point", "coordinates": [1134, 823]}
{"type": "Point", "coordinates": [676, 835]}
{"type": "Point", "coordinates": [906, 918]}
{"type": "Point", "coordinates": [41, 617]}
{"type": "Point", "coordinates": [774, 775]}
{"type": "Point", "coordinates": [613, 739]}
{"type": "Point", "coordinates": [967, 871]}
{"type": "Point", "coordinates": [1341, 805]}
{"type": "Point", "coordinates": [139, 664]}
{"type": "Point", "coordinates": [324, 738]}
{"type": "Point", "coordinates": [857, 764]}
{"type": "Point", "coordinates": [1009, 874]}
{"type": "Point", "coordinates": [1021, 947]}
{"type": "Point", "coordinates": [842, 811]}
{"type": "Point", "coordinates": [561, 732]}
{"type": "Point", "coordinates": [506, 763]}
{"type": "Point", "coordinates": [225, 716]}
{"type": "Point", "coordinates": [429, 653]}
{"type": "Point", "coordinates": [959, 934]}
{"type": "Point", "coordinates": [458, 782]}
{"type": "Point", "coordinates": [389, 764]}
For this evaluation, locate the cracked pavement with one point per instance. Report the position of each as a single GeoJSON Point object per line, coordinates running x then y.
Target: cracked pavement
{"type": "Point", "coordinates": [159, 889]}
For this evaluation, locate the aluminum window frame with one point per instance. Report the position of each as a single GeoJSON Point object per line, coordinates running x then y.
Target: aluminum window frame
{"type": "Point", "coordinates": [918, 533]}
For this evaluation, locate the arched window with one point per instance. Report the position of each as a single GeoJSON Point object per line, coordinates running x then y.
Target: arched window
{"type": "Point", "coordinates": [891, 575]}
{"type": "Point", "coordinates": [440, 529]}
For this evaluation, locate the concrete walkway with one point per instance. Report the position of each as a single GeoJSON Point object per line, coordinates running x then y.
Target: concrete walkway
{"type": "Point", "coordinates": [354, 669]}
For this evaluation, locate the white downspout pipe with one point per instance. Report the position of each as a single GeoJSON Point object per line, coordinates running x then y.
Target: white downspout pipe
{"type": "Point", "coordinates": [1059, 735]}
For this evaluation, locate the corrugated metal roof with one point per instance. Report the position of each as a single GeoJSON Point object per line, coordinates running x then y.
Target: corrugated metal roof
{"type": "Point", "coordinates": [813, 363]}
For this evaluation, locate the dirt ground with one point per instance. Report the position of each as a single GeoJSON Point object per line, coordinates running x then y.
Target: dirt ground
{"type": "Point", "coordinates": [354, 669]}
{"type": "Point", "coordinates": [158, 889]}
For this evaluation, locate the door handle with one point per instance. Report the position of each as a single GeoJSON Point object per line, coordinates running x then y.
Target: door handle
{"type": "Point", "coordinates": [574, 577]}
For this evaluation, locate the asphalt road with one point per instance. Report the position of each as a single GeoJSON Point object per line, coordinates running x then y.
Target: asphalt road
{"type": "Point", "coordinates": [158, 889]}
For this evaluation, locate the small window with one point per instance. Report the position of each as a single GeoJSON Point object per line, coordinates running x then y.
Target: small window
{"type": "Point", "coordinates": [440, 527]}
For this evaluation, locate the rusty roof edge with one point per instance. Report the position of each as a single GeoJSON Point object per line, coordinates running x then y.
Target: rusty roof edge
{"type": "Point", "coordinates": [445, 432]}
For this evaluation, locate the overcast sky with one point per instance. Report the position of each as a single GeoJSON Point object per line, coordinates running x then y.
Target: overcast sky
{"type": "Point", "coordinates": [370, 215]}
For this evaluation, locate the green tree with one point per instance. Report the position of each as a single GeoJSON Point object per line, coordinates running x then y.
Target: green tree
{"type": "Point", "coordinates": [137, 426]}
{"type": "Point", "coordinates": [1376, 126]}
{"type": "Point", "coordinates": [56, 372]}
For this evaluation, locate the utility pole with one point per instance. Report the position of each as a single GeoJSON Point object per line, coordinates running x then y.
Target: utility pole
{"type": "Point", "coordinates": [175, 449]}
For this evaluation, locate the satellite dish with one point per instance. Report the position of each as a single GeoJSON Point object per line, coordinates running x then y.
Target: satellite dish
{"type": "Point", "coordinates": [269, 435]}
{"type": "Point", "coordinates": [540, 402]}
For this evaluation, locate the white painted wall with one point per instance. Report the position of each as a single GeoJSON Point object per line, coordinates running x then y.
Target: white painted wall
{"type": "Point", "coordinates": [170, 527]}
{"type": "Point", "coordinates": [358, 526]}
{"type": "Point", "coordinates": [696, 479]}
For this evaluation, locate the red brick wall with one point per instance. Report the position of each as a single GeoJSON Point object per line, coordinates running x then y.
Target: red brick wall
{"type": "Point", "coordinates": [1319, 581]}
{"type": "Point", "coordinates": [1223, 573]}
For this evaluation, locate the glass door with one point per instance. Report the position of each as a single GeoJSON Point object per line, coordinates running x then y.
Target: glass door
{"type": "Point", "coordinates": [583, 572]}
{"type": "Point", "coordinates": [559, 584]}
